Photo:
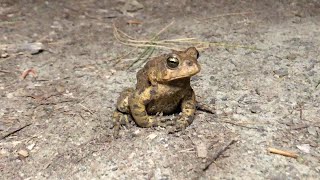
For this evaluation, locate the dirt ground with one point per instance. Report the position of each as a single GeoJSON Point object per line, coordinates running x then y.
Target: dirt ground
{"type": "Point", "coordinates": [56, 104]}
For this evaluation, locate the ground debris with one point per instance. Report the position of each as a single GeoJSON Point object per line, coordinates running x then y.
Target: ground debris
{"type": "Point", "coordinates": [14, 131]}
{"type": "Point", "coordinates": [152, 136]}
{"type": "Point", "coordinates": [218, 153]}
{"type": "Point", "coordinates": [283, 153]}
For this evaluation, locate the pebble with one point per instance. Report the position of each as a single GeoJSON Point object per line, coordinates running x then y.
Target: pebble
{"type": "Point", "coordinates": [4, 55]}
{"type": "Point", "coordinates": [4, 152]}
{"type": "Point", "coordinates": [10, 95]}
{"type": "Point", "coordinates": [281, 72]}
{"type": "Point", "coordinates": [31, 146]}
{"type": "Point", "coordinates": [202, 150]}
{"type": "Point", "coordinates": [304, 148]}
{"type": "Point", "coordinates": [228, 110]}
{"type": "Point", "coordinates": [291, 56]}
{"type": "Point", "coordinates": [312, 130]}
{"type": "Point", "coordinates": [152, 136]}
{"type": "Point", "coordinates": [255, 109]}
{"type": "Point", "coordinates": [23, 153]}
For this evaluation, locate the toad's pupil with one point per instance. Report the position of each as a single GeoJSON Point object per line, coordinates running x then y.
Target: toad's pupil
{"type": "Point", "coordinates": [172, 62]}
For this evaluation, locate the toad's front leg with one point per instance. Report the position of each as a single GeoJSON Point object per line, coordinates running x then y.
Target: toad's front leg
{"type": "Point", "coordinates": [138, 104]}
{"type": "Point", "coordinates": [188, 108]}
{"type": "Point", "coordinates": [120, 115]}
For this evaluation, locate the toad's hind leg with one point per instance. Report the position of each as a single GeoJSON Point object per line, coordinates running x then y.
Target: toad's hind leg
{"type": "Point", "coordinates": [120, 115]}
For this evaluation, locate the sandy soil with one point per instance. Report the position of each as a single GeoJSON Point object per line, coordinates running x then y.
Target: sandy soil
{"type": "Point", "coordinates": [55, 122]}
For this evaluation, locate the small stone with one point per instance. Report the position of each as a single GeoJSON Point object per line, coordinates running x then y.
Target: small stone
{"type": "Point", "coordinates": [131, 6]}
{"type": "Point", "coordinates": [136, 132]}
{"type": "Point", "coordinates": [213, 101]}
{"type": "Point", "coordinates": [312, 130]}
{"type": "Point", "coordinates": [225, 98]}
{"type": "Point", "coordinates": [3, 153]}
{"type": "Point", "coordinates": [31, 146]}
{"type": "Point", "coordinates": [291, 57]}
{"type": "Point", "coordinates": [132, 155]}
{"type": "Point", "coordinates": [113, 71]}
{"type": "Point", "coordinates": [23, 153]}
{"type": "Point", "coordinates": [60, 88]}
{"type": "Point", "coordinates": [4, 55]}
{"type": "Point", "coordinates": [114, 168]}
{"type": "Point", "coordinates": [32, 48]}
{"type": "Point", "coordinates": [152, 136]}
{"type": "Point", "coordinates": [228, 110]}
{"type": "Point", "coordinates": [202, 150]}
{"type": "Point", "coordinates": [255, 109]}
{"type": "Point", "coordinates": [10, 95]}
{"type": "Point", "coordinates": [281, 72]}
{"type": "Point", "coordinates": [304, 148]}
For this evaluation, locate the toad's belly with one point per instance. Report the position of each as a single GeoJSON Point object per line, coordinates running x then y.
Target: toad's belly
{"type": "Point", "coordinates": [167, 105]}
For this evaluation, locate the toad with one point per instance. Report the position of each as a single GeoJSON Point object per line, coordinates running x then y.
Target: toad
{"type": "Point", "coordinates": [163, 87]}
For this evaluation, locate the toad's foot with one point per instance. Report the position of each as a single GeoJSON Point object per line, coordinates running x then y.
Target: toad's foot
{"type": "Point", "coordinates": [180, 124]}
{"type": "Point", "coordinates": [119, 119]}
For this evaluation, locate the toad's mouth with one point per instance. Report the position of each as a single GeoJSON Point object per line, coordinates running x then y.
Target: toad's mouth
{"type": "Point", "coordinates": [178, 75]}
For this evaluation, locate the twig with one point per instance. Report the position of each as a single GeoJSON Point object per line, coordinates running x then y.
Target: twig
{"type": "Point", "coordinates": [118, 59]}
{"type": "Point", "coordinates": [87, 109]}
{"type": "Point", "coordinates": [59, 102]}
{"type": "Point", "coordinates": [27, 72]}
{"type": "Point", "coordinates": [317, 84]}
{"type": "Point", "coordinates": [134, 22]}
{"type": "Point", "coordinates": [218, 154]}
{"type": "Point", "coordinates": [162, 30]}
{"type": "Point", "coordinates": [300, 108]}
{"type": "Point", "coordinates": [283, 153]}
{"type": "Point", "coordinates": [229, 14]}
{"type": "Point", "coordinates": [299, 126]}
{"type": "Point", "coordinates": [15, 131]}
{"type": "Point", "coordinates": [187, 150]}
{"type": "Point", "coordinates": [240, 125]}
{"type": "Point", "coordinates": [150, 50]}
{"type": "Point", "coordinates": [143, 56]}
{"type": "Point", "coordinates": [177, 44]}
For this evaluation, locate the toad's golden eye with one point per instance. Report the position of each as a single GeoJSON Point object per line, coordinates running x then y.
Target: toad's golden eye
{"type": "Point", "coordinates": [172, 62]}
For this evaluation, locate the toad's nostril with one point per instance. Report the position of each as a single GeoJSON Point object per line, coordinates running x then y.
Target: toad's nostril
{"type": "Point", "coordinates": [189, 63]}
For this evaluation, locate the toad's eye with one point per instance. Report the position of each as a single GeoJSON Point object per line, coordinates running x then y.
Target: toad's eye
{"type": "Point", "coordinates": [172, 62]}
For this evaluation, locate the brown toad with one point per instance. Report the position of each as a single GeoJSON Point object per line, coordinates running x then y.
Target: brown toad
{"type": "Point", "coordinates": [163, 86]}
